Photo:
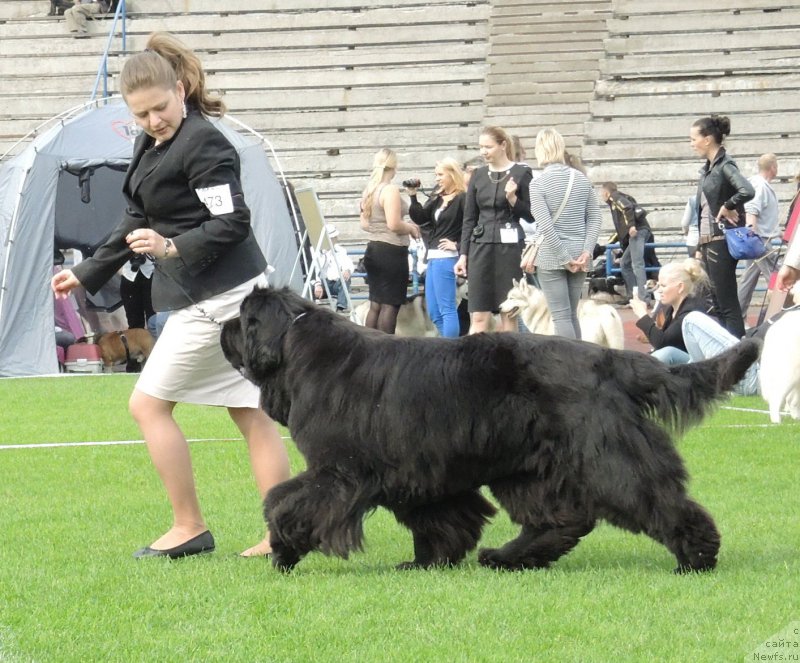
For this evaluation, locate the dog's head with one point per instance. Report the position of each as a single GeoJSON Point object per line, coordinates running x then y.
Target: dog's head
{"type": "Point", "coordinates": [253, 342]}
{"type": "Point", "coordinates": [522, 296]}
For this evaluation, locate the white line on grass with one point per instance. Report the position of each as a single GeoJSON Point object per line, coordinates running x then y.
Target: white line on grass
{"type": "Point", "coordinates": [50, 445]}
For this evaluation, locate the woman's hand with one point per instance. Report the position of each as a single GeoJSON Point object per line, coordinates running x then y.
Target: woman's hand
{"type": "Point", "coordinates": [447, 245]}
{"type": "Point", "coordinates": [413, 229]}
{"type": "Point", "coordinates": [731, 215]}
{"type": "Point", "coordinates": [461, 267]}
{"type": "Point", "coordinates": [585, 259]}
{"type": "Point", "coordinates": [63, 283]}
{"type": "Point", "coordinates": [574, 266]}
{"type": "Point", "coordinates": [639, 307]}
{"type": "Point", "coordinates": [787, 277]}
{"type": "Point", "coordinates": [147, 241]}
{"type": "Point", "coordinates": [511, 191]}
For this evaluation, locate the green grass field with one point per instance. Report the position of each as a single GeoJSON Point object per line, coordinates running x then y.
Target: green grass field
{"type": "Point", "coordinates": [71, 516]}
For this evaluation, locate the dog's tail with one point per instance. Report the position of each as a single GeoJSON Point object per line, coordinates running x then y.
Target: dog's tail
{"type": "Point", "coordinates": [697, 387]}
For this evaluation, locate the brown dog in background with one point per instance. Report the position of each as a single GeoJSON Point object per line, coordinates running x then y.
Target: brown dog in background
{"type": "Point", "coordinates": [130, 346]}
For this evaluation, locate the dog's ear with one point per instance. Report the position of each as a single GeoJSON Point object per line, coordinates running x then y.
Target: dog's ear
{"type": "Point", "coordinates": [231, 342]}
{"type": "Point", "coordinates": [266, 316]}
{"type": "Point", "coordinates": [514, 283]}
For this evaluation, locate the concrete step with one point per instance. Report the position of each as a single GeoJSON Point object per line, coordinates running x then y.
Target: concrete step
{"type": "Point", "coordinates": [267, 22]}
{"type": "Point", "coordinates": [715, 64]}
{"type": "Point", "coordinates": [726, 104]}
{"type": "Point", "coordinates": [660, 8]}
{"type": "Point", "coordinates": [263, 40]}
{"type": "Point", "coordinates": [676, 128]}
{"type": "Point", "coordinates": [726, 20]}
{"type": "Point", "coordinates": [713, 86]}
{"type": "Point", "coordinates": [702, 42]}
{"type": "Point", "coordinates": [636, 151]}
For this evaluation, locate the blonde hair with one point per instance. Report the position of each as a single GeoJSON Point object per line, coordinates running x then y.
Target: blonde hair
{"type": "Point", "coordinates": [689, 271]}
{"type": "Point", "coordinates": [164, 62]}
{"type": "Point", "coordinates": [384, 159]}
{"type": "Point", "coordinates": [549, 147]}
{"type": "Point", "coordinates": [453, 168]}
{"type": "Point", "coordinates": [499, 136]}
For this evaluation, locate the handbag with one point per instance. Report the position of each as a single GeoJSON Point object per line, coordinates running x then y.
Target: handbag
{"type": "Point", "coordinates": [743, 243]}
{"type": "Point", "coordinates": [531, 249]}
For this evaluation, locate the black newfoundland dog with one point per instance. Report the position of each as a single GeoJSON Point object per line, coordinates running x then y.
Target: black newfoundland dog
{"type": "Point", "coordinates": [562, 432]}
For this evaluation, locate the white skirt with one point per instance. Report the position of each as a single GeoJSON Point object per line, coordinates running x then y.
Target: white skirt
{"type": "Point", "coordinates": [187, 364]}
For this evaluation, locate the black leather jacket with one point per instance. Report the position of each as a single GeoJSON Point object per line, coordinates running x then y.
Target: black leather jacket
{"type": "Point", "coordinates": [723, 184]}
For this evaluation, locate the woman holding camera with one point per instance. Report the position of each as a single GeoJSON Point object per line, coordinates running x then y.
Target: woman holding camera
{"type": "Point", "coordinates": [386, 256]}
{"type": "Point", "coordinates": [441, 218]}
{"type": "Point", "coordinates": [492, 238]}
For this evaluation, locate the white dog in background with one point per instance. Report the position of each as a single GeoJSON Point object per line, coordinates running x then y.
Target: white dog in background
{"type": "Point", "coordinates": [600, 323]}
{"type": "Point", "coordinates": [412, 319]}
{"type": "Point", "coordinates": [779, 372]}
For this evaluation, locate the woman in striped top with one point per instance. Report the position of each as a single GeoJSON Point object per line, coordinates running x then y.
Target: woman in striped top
{"type": "Point", "coordinates": [568, 241]}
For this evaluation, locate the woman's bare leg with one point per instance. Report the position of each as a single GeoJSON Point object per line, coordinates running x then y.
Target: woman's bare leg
{"type": "Point", "coordinates": [481, 321]}
{"type": "Point", "coordinates": [169, 452]}
{"type": "Point", "coordinates": [267, 456]}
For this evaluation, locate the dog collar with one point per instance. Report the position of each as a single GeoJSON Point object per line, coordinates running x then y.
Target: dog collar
{"type": "Point", "coordinates": [299, 316]}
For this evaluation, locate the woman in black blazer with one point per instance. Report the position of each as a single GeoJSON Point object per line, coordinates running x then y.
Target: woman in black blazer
{"type": "Point", "coordinates": [185, 211]}
{"type": "Point", "coordinates": [440, 219]}
{"type": "Point", "coordinates": [492, 238]}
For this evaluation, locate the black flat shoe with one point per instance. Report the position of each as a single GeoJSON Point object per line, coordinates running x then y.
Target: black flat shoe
{"type": "Point", "coordinates": [202, 543]}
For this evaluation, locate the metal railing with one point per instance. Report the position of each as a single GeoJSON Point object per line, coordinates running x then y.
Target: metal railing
{"type": "Point", "coordinates": [120, 15]}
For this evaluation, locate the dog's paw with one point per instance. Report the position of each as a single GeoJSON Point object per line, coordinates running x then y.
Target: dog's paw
{"type": "Point", "coordinates": [410, 566]}
{"type": "Point", "coordinates": [492, 558]}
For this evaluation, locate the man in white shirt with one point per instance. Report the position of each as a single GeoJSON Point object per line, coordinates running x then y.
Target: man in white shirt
{"type": "Point", "coordinates": [762, 218]}
{"type": "Point", "coordinates": [336, 268]}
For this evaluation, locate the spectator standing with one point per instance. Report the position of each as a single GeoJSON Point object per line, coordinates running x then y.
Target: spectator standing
{"type": "Point", "coordinates": [722, 192]}
{"type": "Point", "coordinates": [386, 255]}
{"type": "Point", "coordinates": [441, 219]}
{"type": "Point", "coordinates": [633, 232]}
{"type": "Point", "coordinates": [336, 268]}
{"type": "Point", "coordinates": [762, 218]}
{"type": "Point", "coordinates": [568, 241]}
{"type": "Point", "coordinates": [208, 260]}
{"type": "Point", "coordinates": [492, 238]}
{"type": "Point", "coordinates": [681, 286]}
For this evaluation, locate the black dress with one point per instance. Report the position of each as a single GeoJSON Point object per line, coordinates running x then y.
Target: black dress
{"type": "Point", "coordinates": [493, 263]}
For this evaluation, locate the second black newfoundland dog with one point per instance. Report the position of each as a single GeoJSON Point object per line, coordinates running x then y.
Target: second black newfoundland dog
{"type": "Point", "coordinates": [562, 432]}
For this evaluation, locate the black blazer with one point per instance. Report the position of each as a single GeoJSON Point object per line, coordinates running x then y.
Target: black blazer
{"type": "Point", "coordinates": [216, 246]}
{"type": "Point", "coordinates": [486, 209]}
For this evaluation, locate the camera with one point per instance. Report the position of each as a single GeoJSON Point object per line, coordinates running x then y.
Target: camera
{"type": "Point", "coordinates": [412, 183]}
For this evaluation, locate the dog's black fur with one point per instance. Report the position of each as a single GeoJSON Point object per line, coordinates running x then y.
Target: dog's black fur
{"type": "Point", "coordinates": [563, 433]}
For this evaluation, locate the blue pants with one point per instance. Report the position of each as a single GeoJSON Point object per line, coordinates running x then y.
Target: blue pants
{"type": "Point", "coordinates": [440, 295]}
{"type": "Point", "coordinates": [338, 290]}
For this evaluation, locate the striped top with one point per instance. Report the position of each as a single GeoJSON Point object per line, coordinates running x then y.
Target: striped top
{"type": "Point", "coordinates": [578, 227]}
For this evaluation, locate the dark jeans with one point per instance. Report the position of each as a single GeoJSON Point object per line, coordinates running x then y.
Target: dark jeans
{"type": "Point", "coordinates": [721, 270]}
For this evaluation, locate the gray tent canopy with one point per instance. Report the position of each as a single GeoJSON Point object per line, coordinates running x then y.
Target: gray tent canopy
{"type": "Point", "coordinates": [64, 190]}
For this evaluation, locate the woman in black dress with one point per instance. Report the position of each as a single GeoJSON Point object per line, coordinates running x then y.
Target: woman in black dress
{"type": "Point", "coordinates": [492, 239]}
